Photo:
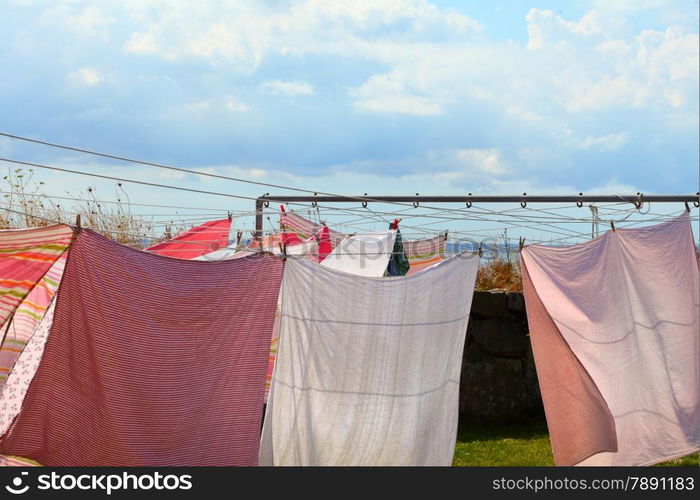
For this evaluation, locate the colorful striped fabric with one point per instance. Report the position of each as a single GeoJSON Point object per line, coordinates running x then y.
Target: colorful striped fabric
{"type": "Point", "coordinates": [200, 240]}
{"type": "Point", "coordinates": [305, 228]}
{"type": "Point", "coordinates": [151, 361]}
{"type": "Point", "coordinates": [27, 316]}
{"type": "Point", "coordinates": [25, 256]}
{"type": "Point", "coordinates": [424, 253]}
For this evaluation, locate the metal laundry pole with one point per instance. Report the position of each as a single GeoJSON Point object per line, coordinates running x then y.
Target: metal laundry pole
{"type": "Point", "coordinates": [264, 201]}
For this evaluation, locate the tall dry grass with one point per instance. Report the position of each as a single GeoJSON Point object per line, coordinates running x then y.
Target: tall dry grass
{"type": "Point", "coordinates": [25, 204]}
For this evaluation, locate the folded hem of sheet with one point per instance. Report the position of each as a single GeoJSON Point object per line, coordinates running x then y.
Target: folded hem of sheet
{"type": "Point", "coordinates": [441, 387]}
{"type": "Point", "coordinates": [448, 321]}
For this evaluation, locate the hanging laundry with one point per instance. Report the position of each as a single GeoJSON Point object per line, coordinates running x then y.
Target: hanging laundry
{"type": "Point", "coordinates": [421, 253]}
{"type": "Point", "coordinates": [200, 240]}
{"type": "Point", "coordinates": [24, 322]}
{"type": "Point", "coordinates": [325, 245]}
{"type": "Point", "coordinates": [27, 254]}
{"type": "Point", "coordinates": [368, 369]}
{"type": "Point", "coordinates": [362, 254]}
{"type": "Point", "coordinates": [614, 325]}
{"type": "Point", "coordinates": [267, 242]}
{"type": "Point", "coordinates": [305, 228]}
{"type": "Point", "coordinates": [398, 263]}
{"type": "Point", "coordinates": [424, 253]}
{"type": "Point", "coordinates": [151, 361]}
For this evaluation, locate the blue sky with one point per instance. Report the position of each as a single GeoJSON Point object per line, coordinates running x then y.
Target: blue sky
{"type": "Point", "coordinates": [354, 96]}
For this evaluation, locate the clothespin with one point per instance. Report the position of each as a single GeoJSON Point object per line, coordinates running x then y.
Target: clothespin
{"type": "Point", "coordinates": [446, 231]}
{"type": "Point", "coordinates": [282, 209]}
{"type": "Point", "coordinates": [480, 252]}
{"type": "Point", "coordinates": [612, 225]}
{"type": "Point", "coordinates": [77, 221]}
{"type": "Point", "coordinates": [687, 207]}
{"type": "Point", "coordinates": [395, 224]}
{"type": "Point", "coordinates": [283, 249]}
{"type": "Point", "coordinates": [521, 243]}
{"type": "Point", "coordinates": [230, 216]}
{"type": "Point", "coordinates": [239, 235]}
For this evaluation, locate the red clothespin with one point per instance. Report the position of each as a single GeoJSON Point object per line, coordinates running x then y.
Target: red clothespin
{"type": "Point", "coordinates": [395, 224]}
{"type": "Point", "coordinates": [282, 209]}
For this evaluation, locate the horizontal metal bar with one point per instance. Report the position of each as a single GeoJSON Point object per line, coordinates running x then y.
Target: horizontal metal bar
{"type": "Point", "coordinates": [656, 198]}
{"type": "Point", "coordinates": [652, 198]}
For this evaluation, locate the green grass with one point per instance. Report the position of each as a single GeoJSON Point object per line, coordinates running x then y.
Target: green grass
{"type": "Point", "coordinates": [515, 445]}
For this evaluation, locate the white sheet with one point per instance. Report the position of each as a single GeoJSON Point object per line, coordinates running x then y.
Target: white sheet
{"type": "Point", "coordinates": [15, 389]}
{"type": "Point", "coordinates": [627, 304]}
{"type": "Point", "coordinates": [363, 254]}
{"type": "Point", "coordinates": [226, 253]}
{"type": "Point", "coordinates": [368, 369]}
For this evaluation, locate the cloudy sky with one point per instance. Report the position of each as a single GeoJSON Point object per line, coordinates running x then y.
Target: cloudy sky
{"type": "Point", "coordinates": [355, 96]}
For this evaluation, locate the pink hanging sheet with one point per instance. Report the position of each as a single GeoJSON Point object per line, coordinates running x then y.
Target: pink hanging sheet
{"type": "Point", "coordinates": [614, 324]}
{"type": "Point", "coordinates": [151, 361]}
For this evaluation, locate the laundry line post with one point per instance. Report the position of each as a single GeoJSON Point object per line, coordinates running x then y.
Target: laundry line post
{"type": "Point", "coordinates": [259, 219]}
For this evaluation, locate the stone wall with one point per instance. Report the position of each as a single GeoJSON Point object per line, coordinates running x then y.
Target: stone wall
{"type": "Point", "coordinates": [499, 382]}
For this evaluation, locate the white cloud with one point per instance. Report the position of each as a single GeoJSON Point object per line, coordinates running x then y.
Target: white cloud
{"type": "Point", "coordinates": [288, 88]}
{"type": "Point", "coordinates": [545, 28]}
{"type": "Point", "coordinates": [245, 31]}
{"type": "Point", "coordinates": [90, 21]}
{"type": "Point", "coordinates": [246, 172]}
{"type": "Point", "coordinates": [171, 174]}
{"type": "Point", "coordinates": [141, 43]}
{"type": "Point", "coordinates": [197, 106]}
{"type": "Point", "coordinates": [384, 93]}
{"type": "Point", "coordinates": [399, 103]}
{"type": "Point", "coordinates": [86, 76]}
{"type": "Point", "coordinates": [608, 142]}
{"type": "Point", "coordinates": [486, 160]}
{"type": "Point", "coordinates": [631, 5]}
{"type": "Point", "coordinates": [237, 106]}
